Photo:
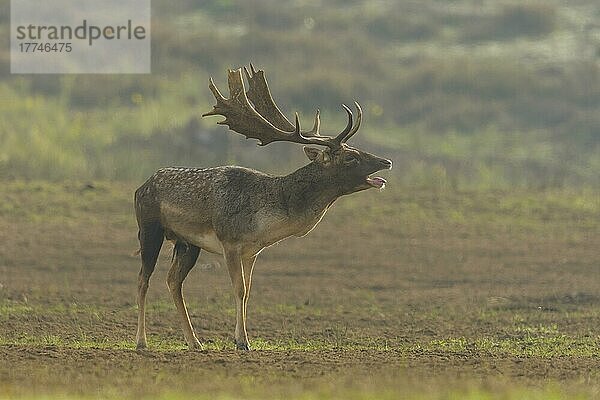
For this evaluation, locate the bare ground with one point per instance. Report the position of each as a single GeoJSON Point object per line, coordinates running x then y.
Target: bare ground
{"type": "Point", "coordinates": [392, 290]}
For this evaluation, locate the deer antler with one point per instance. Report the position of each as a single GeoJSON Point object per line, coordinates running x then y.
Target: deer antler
{"type": "Point", "coordinates": [262, 119]}
{"type": "Point", "coordinates": [350, 128]}
{"type": "Point", "coordinates": [260, 96]}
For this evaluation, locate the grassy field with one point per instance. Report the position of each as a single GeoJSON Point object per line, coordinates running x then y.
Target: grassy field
{"type": "Point", "coordinates": [428, 293]}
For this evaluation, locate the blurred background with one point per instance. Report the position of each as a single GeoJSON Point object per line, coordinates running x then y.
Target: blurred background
{"type": "Point", "coordinates": [460, 94]}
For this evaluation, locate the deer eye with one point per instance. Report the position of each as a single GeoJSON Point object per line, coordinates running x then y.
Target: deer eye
{"type": "Point", "coordinates": [350, 159]}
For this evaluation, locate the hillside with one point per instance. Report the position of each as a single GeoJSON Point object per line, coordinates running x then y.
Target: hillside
{"type": "Point", "coordinates": [462, 93]}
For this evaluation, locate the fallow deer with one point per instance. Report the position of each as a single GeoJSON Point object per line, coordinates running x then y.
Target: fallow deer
{"type": "Point", "coordinates": [237, 212]}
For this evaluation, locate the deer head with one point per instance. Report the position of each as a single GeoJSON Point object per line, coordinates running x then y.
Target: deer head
{"type": "Point", "coordinates": [254, 114]}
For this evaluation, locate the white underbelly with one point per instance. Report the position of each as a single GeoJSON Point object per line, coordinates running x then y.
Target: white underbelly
{"type": "Point", "coordinates": [185, 226]}
{"type": "Point", "coordinates": [206, 240]}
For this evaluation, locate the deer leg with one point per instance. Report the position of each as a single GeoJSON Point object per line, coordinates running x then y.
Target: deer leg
{"type": "Point", "coordinates": [184, 259]}
{"type": "Point", "coordinates": [233, 259]}
{"type": "Point", "coordinates": [151, 238]}
{"type": "Point", "coordinates": [248, 264]}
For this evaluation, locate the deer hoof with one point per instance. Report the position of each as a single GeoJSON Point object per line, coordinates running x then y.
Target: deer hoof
{"type": "Point", "coordinates": [141, 346]}
{"type": "Point", "coordinates": [243, 346]}
{"type": "Point", "coordinates": [195, 345]}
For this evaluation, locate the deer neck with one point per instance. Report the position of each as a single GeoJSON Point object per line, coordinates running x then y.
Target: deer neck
{"type": "Point", "coordinates": [308, 191]}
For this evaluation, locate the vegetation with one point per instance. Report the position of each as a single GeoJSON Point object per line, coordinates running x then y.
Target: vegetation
{"type": "Point", "coordinates": [473, 276]}
{"type": "Point", "coordinates": [465, 95]}
{"type": "Point", "coordinates": [465, 294]}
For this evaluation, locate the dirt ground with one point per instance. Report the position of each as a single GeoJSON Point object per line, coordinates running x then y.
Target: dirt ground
{"type": "Point", "coordinates": [394, 290]}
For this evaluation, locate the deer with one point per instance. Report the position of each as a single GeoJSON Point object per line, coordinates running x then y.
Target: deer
{"type": "Point", "coordinates": [237, 212]}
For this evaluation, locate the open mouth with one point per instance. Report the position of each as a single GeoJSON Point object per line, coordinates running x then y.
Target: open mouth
{"type": "Point", "coordinates": [377, 182]}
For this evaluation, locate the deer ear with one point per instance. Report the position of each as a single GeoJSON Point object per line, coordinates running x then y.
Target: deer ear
{"type": "Point", "coordinates": [313, 153]}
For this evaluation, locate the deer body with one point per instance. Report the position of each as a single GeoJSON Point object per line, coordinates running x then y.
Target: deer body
{"type": "Point", "coordinates": [237, 212]}
{"type": "Point", "coordinates": [206, 207]}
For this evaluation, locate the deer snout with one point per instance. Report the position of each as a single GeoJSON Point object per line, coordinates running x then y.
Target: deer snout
{"type": "Point", "coordinates": [387, 164]}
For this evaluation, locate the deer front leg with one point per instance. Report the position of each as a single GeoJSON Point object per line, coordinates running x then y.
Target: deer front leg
{"type": "Point", "coordinates": [233, 259]}
{"type": "Point", "coordinates": [248, 265]}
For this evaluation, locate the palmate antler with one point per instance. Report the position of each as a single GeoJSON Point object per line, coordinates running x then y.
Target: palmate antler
{"type": "Point", "coordinates": [261, 118]}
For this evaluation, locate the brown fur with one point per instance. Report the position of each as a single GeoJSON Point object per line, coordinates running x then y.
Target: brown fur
{"type": "Point", "coordinates": [237, 212]}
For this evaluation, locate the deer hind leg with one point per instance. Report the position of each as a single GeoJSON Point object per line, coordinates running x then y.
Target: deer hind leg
{"type": "Point", "coordinates": [151, 237]}
{"type": "Point", "coordinates": [233, 259]}
{"type": "Point", "coordinates": [184, 259]}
